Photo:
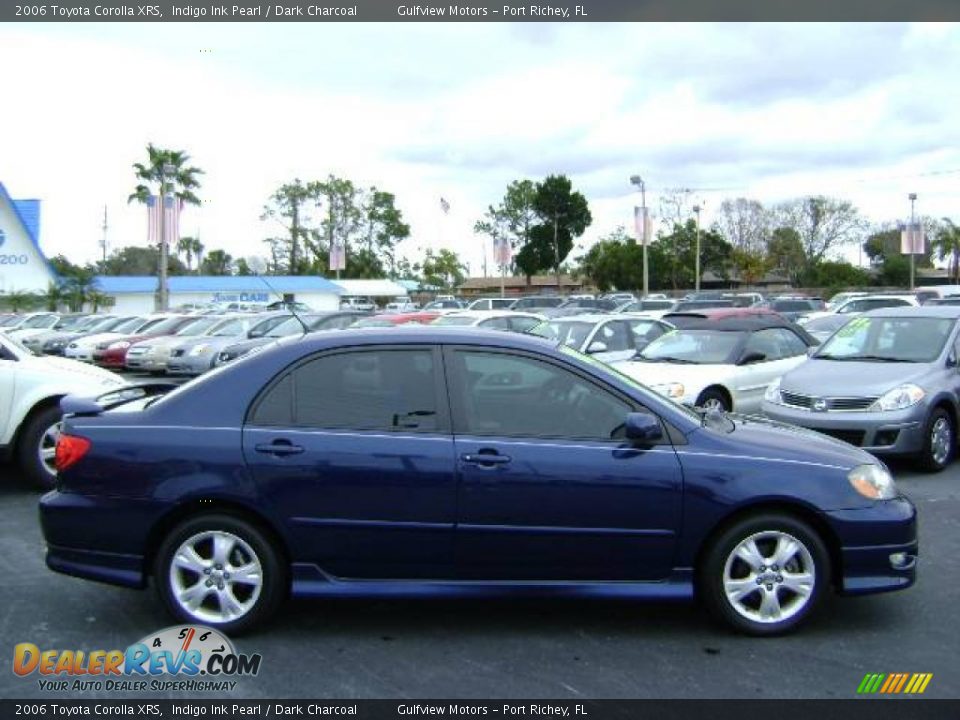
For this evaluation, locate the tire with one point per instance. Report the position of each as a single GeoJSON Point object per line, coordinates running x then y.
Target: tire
{"type": "Point", "coordinates": [939, 442]}
{"type": "Point", "coordinates": [714, 398]}
{"type": "Point", "coordinates": [244, 546]}
{"type": "Point", "coordinates": [38, 439]}
{"type": "Point", "coordinates": [792, 598]}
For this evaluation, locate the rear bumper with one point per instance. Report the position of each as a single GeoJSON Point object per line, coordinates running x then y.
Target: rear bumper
{"type": "Point", "coordinates": [879, 550]}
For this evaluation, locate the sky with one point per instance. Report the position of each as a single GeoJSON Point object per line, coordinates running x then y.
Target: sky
{"type": "Point", "coordinates": [863, 112]}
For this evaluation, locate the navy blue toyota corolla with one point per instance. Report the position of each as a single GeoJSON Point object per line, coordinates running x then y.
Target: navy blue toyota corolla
{"type": "Point", "coordinates": [449, 462]}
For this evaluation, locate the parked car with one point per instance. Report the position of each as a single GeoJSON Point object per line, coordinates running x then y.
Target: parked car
{"type": "Point", "coordinates": [606, 337]}
{"type": "Point", "coordinates": [841, 297]}
{"type": "Point", "coordinates": [288, 305]}
{"type": "Point", "coordinates": [857, 305]}
{"type": "Point", "coordinates": [491, 304]}
{"type": "Point", "coordinates": [401, 307]}
{"type": "Point", "coordinates": [153, 354]}
{"type": "Point", "coordinates": [491, 320]}
{"type": "Point", "coordinates": [461, 464]}
{"type": "Point", "coordinates": [888, 381]}
{"type": "Point", "coordinates": [292, 326]}
{"type": "Point", "coordinates": [948, 300]}
{"type": "Point", "coordinates": [421, 317]}
{"type": "Point", "coordinates": [361, 304]}
{"type": "Point", "coordinates": [443, 306]}
{"type": "Point", "coordinates": [30, 390]}
{"type": "Point", "coordinates": [535, 303]}
{"type": "Point", "coordinates": [113, 353]}
{"type": "Point", "coordinates": [703, 304]}
{"type": "Point", "coordinates": [651, 307]}
{"type": "Point", "coordinates": [681, 318]}
{"type": "Point", "coordinates": [823, 327]}
{"type": "Point", "coordinates": [30, 321]}
{"type": "Point", "coordinates": [196, 355]}
{"type": "Point", "coordinates": [56, 343]}
{"type": "Point", "coordinates": [744, 299]}
{"type": "Point", "coordinates": [43, 324]}
{"type": "Point", "coordinates": [792, 308]}
{"type": "Point", "coordinates": [76, 323]}
{"type": "Point", "coordinates": [723, 364]}
{"type": "Point", "coordinates": [82, 348]}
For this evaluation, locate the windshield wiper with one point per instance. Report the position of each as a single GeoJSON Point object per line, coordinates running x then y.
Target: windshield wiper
{"type": "Point", "coordinates": [670, 359]}
{"type": "Point", "coordinates": [867, 358]}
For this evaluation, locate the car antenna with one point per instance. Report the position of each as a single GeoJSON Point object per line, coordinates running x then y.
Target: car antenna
{"type": "Point", "coordinates": [290, 307]}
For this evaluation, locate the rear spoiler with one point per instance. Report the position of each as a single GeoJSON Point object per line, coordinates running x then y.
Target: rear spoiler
{"type": "Point", "coordinates": [83, 405]}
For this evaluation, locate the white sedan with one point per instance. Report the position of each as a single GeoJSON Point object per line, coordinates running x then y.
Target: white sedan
{"type": "Point", "coordinates": [608, 338]}
{"type": "Point", "coordinates": [492, 320]}
{"type": "Point", "coordinates": [723, 364]}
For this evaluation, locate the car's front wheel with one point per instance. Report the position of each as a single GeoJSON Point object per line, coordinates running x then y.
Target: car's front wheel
{"type": "Point", "coordinates": [37, 446]}
{"type": "Point", "coordinates": [939, 442]}
{"type": "Point", "coordinates": [765, 574]}
{"type": "Point", "coordinates": [220, 571]}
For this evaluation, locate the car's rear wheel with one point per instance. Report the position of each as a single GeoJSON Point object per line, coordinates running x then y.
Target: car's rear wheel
{"type": "Point", "coordinates": [939, 442]}
{"type": "Point", "coordinates": [765, 574]}
{"type": "Point", "coordinates": [36, 448]}
{"type": "Point", "coordinates": [220, 571]}
{"type": "Point", "coordinates": [713, 399]}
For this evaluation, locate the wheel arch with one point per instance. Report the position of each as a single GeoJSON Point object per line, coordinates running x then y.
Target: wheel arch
{"type": "Point", "coordinates": [784, 506]}
{"type": "Point", "coordinates": [723, 390]}
{"type": "Point", "coordinates": [195, 507]}
{"type": "Point", "coordinates": [40, 405]}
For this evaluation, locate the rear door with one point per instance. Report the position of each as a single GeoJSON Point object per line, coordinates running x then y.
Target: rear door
{"type": "Point", "coordinates": [549, 489]}
{"type": "Point", "coordinates": [354, 450]}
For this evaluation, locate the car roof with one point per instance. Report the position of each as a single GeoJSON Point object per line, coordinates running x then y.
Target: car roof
{"type": "Point", "coordinates": [598, 318]}
{"type": "Point", "coordinates": [722, 312]}
{"type": "Point", "coordinates": [933, 311]}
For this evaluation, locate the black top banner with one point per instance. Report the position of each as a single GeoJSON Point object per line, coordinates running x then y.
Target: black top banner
{"type": "Point", "coordinates": [479, 11]}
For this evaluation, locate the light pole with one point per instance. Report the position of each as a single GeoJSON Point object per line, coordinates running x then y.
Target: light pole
{"type": "Point", "coordinates": [638, 181]}
{"type": "Point", "coordinates": [913, 199]}
{"type": "Point", "coordinates": [162, 295]}
{"type": "Point", "coordinates": [696, 281]}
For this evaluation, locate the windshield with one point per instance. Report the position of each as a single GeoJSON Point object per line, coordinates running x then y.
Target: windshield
{"type": "Point", "coordinates": [265, 326]}
{"type": "Point", "coordinates": [127, 326]}
{"type": "Point", "coordinates": [39, 321]}
{"type": "Point", "coordinates": [572, 334]}
{"type": "Point", "coordinates": [162, 327]}
{"type": "Point", "coordinates": [455, 320]}
{"type": "Point", "coordinates": [826, 324]}
{"type": "Point", "coordinates": [228, 328]}
{"type": "Point", "coordinates": [879, 339]}
{"type": "Point", "coordinates": [702, 347]}
{"type": "Point", "coordinates": [197, 327]}
{"type": "Point", "coordinates": [290, 326]}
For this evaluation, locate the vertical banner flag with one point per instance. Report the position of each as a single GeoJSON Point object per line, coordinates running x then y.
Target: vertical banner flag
{"type": "Point", "coordinates": [338, 255]}
{"type": "Point", "coordinates": [444, 205]}
{"type": "Point", "coordinates": [153, 221]}
{"type": "Point", "coordinates": [501, 251]}
{"type": "Point", "coordinates": [912, 240]}
{"type": "Point", "coordinates": [171, 219]}
{"type": "Point", "coordinates": [641, 224]}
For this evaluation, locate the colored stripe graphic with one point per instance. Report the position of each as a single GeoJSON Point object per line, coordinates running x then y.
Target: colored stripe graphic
{"type": "Point", "coordinates": [894, 683]}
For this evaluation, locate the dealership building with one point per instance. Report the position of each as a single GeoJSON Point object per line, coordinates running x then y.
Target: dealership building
{"type": "Point", "coordinates": [23, 266]}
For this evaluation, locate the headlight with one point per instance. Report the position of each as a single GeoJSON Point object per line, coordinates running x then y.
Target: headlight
{"type": "Point", "coordinates": [872, 481]}
{"type": "Point", "coordinates": [674, 391]}
{"type": "Point", "coordinates": [198, 350]}
{"type": "Point", "coordinates": [773, 392]}
{"type": "Point", "coordinates": [900, 398]}
{"type": "Point", "coordinates": [122, 345]}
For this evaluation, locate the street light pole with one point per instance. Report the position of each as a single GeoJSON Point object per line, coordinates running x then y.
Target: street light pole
{"type": "Point", "coordinates": [162, 295]}
{"type": "Point", "coordinates": [638, 181]}
{"type": "Point", "coordinates": [913, 199]}
{"type": "Point", "coordinates": [696, 209]}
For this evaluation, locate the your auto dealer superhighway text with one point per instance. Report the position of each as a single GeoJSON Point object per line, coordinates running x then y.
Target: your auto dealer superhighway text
{"type": "Point", "coordinates": [531, 710]}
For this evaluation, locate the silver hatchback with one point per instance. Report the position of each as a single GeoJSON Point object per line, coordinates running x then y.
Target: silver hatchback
{"type": "Point", "coordinates": [887, 381]}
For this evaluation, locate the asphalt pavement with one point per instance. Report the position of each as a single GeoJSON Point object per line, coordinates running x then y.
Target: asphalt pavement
{"type": "Point", "coordinates": [573, 649]}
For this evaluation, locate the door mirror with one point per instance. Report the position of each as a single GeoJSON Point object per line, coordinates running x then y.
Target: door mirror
{"type": "Point", "coordinates": [597, 346]}
{"type": "Point", "coordinates": [643, 427]}
{"type": "Point", "coordinates": [753, 357]}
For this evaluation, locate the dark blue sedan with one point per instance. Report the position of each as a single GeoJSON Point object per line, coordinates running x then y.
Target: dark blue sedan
{"type": "Point", "coordinates": [449, 462]}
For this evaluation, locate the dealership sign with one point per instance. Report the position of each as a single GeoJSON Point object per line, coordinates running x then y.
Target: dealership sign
{"type": "Point", "coordinates": [241, 297]}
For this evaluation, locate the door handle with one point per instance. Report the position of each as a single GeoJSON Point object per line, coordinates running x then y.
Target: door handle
{"type": "Point", "coordinates": [279, 447]}
{"type": "Point", "coordinates": [485, 460]}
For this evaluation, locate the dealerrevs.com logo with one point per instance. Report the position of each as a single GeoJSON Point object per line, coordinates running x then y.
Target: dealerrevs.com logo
{"type": "Point", "coordinates": [200, 658]}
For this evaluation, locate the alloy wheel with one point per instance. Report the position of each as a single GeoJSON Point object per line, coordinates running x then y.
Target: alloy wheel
{"type": "Point", "coordinates": [47, 448]}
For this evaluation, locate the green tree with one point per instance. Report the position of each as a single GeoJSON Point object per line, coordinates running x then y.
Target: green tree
{"type": "Point", "coordinates": [384, 230]}
{"type": "Point", "coordinates": [614, 263]}
{"type": "Point", "coordinates": [677, 253]}
{"type": "Point", "coordinates": [746, 226]}
{"type": "Point", "coordinates": [442, 269]}
{"type": "Point", "coordinates": [289, 205]}
{"type": "Point", "coordinates": [79, 287]}
{"type": "Point", "coordinates": [62, 266]}
{"type": "Point", "coordinates": [563, 215]}
{"type": "Point", "coordinates": [217, 262]}
{"type": "Point", "coordinates": [55, 295]}
{"type": "Point", "coordinates": [20, 300]}
{"type": "Point", "coordinates": [342, 215]}
{"type": "Point", "coordinates": [785, 254]}
{"type": "Point", "coordinates": [946, 244]}
{"type": "Point", "coordinates": [181, 182]}
{"type": "Point", "coordinates": [822, 224]}
{"type": "Point", "coordinates": [135, 260]}
{"type": "Point", "coordinates": [243, 267]}
{"type": "Point", "coordinates": [192, 248]}
{"type": "Point", "coordinates": [836, 275]}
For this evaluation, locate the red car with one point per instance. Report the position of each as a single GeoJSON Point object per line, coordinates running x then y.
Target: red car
{"type": "Point", "coordinates": [722, 313]}
{"type": "Point", "coordinates": [388, 319]}
{"type": "Point", "coordinates": [113, 353]}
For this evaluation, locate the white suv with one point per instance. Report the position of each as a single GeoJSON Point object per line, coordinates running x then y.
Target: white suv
{"type": "Point", "coordinates": [30, 390]}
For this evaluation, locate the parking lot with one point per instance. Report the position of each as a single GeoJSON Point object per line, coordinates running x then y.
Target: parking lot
{"type": "Point", "coordinates": [517, 648]}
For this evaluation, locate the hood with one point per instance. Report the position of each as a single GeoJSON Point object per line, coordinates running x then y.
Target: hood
{"type": "Point", "coordinates": [161, 341]}
{"type": "Point", "coordinates": [91, 340]}
{"type": "Point", "coordinates": [842, 378]}
{"type": "Point", "coordinates": [761, 437]}
{"type": "Point", "coordinates": [79, 371]}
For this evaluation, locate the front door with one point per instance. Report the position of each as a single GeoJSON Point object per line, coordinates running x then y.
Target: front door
{"type": "Point", "coordinates": [354, 452]}
{"type": "Point", "coordinates": [550, 490]}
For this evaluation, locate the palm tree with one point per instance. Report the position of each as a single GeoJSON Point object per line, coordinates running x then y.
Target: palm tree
{"type": "Point", "coordinates": [79, 287]}
{"type": "Point", "coordinates": [182, 181]}
{"type": "Point", "coordinates": [55, 295]}
{"type": "Point", "coordinates": [192, 248]}
{"type": "Point", "coordinates": [18, 300]}
{"type": "Point", "coordinates": [947, 244]}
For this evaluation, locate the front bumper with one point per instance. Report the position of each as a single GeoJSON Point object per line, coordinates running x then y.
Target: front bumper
{"type": "Point", "coordinates": [146, 362]}
{"type": "Point", "coordinates": [190, 364]}
{"type": "Point", "coordinates": [881, 433]}
{"type": "Point", "coordinates": [878, 546]}
{"type": "Point", "coordinates": [113, 359]}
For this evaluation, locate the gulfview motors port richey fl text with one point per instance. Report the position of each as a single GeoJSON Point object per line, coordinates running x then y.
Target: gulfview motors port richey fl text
{"type": "Point", "coordinates": [531, 11]}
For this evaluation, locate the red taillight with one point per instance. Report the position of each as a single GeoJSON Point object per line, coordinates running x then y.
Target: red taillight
{"type": "Point", "coordinates": [70, 448]}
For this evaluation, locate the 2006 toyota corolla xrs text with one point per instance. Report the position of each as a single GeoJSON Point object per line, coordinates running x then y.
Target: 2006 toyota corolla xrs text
{"type": "Point", "coordinates": [449, 462]}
